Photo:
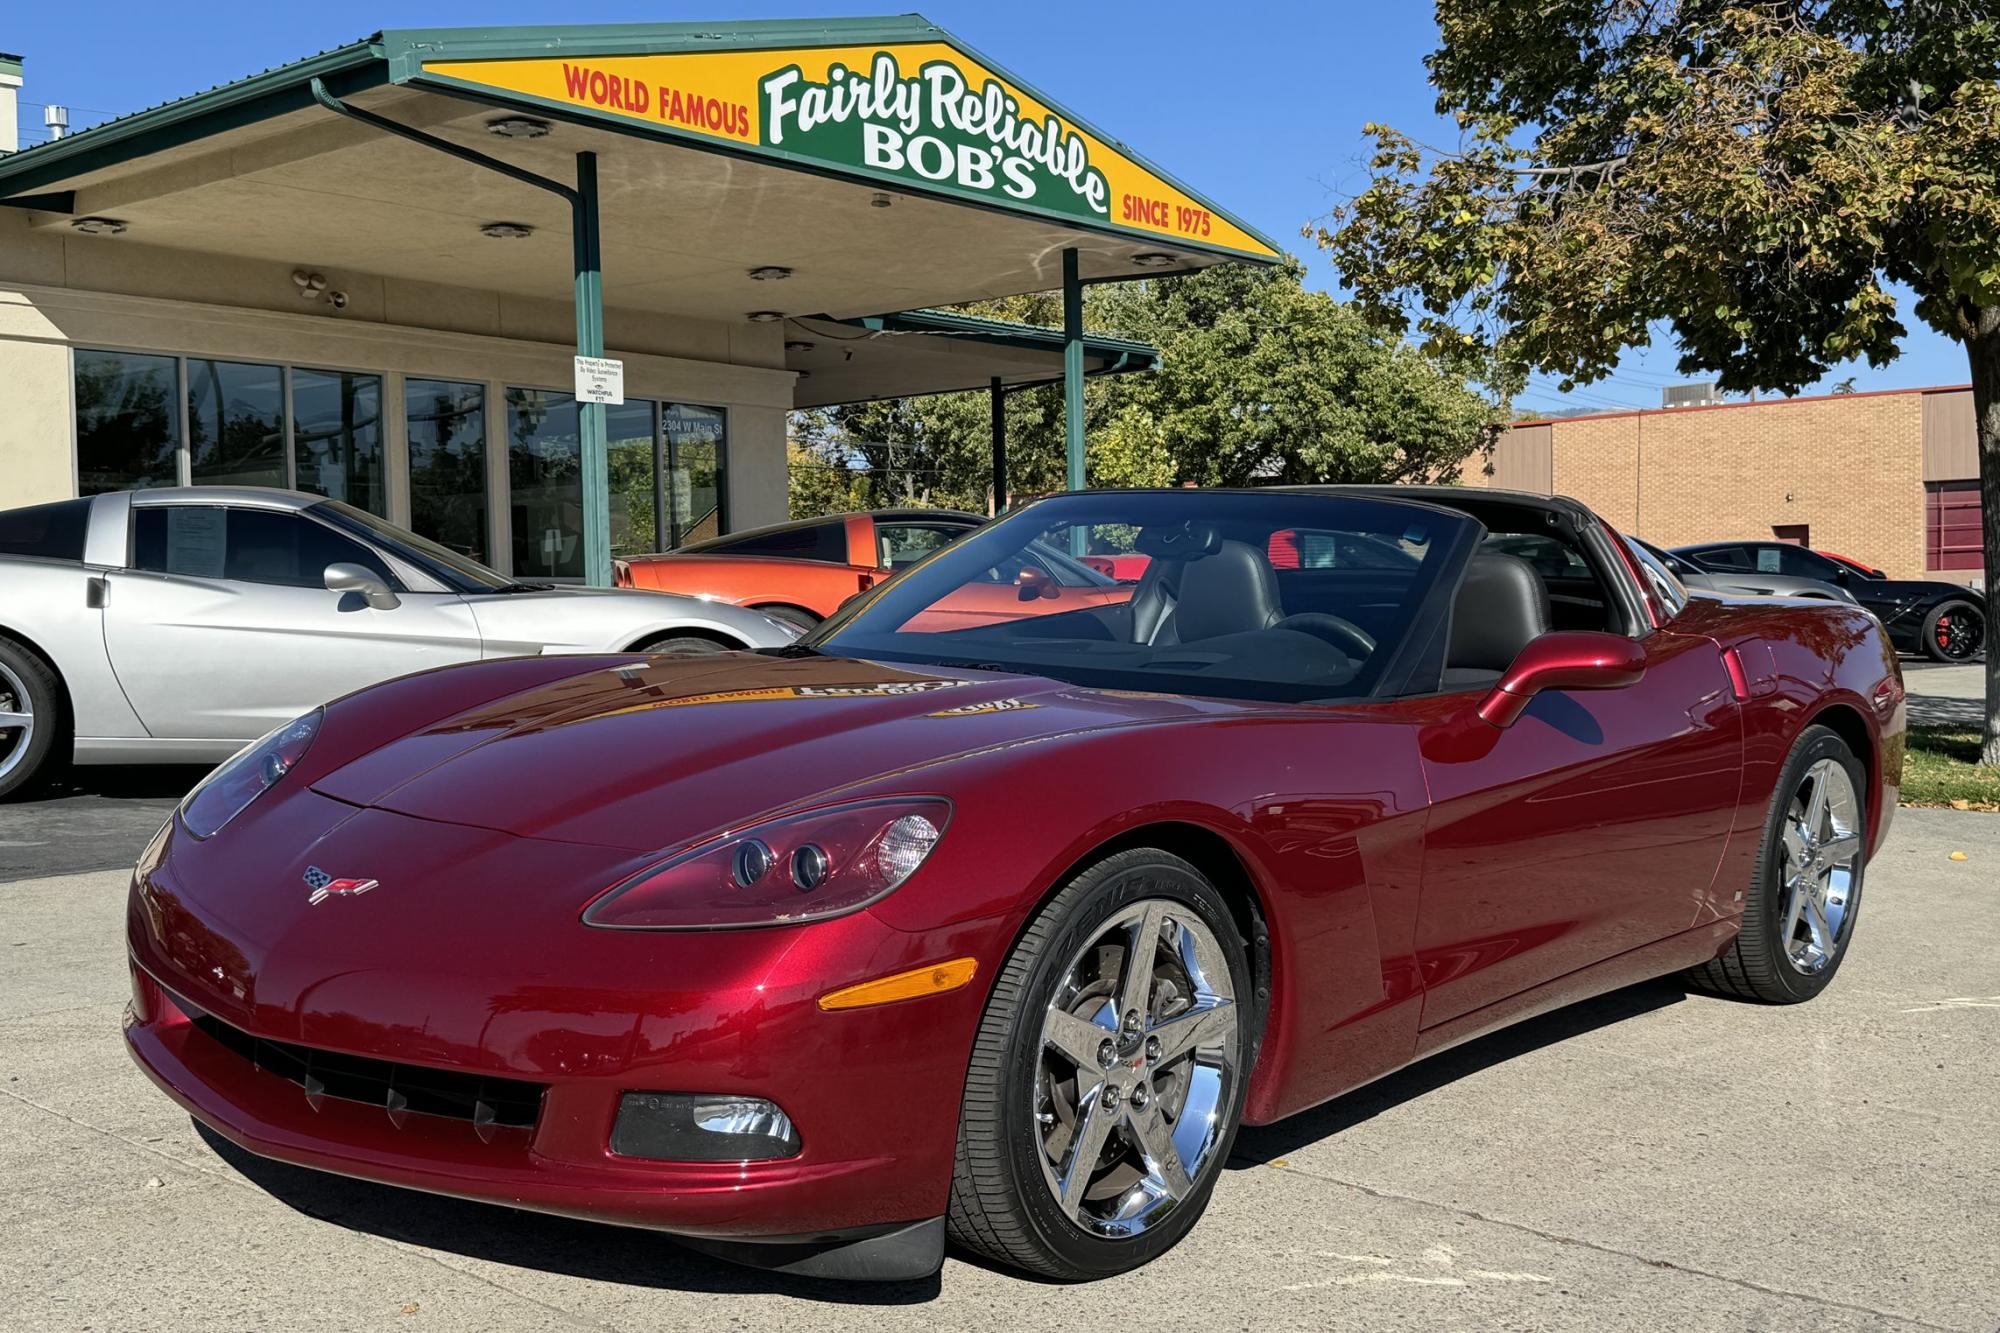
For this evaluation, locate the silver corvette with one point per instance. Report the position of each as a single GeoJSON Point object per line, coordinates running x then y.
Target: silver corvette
{"type": "Point", "coordinates": [172, 626]}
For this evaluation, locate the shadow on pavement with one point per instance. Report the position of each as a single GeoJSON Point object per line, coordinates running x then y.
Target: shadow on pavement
{"type": "Point", "coordinates": [1257, 1145]}
{"type": "Point", "coordinates": [560, 1245]}
{"type": "Point", "coordinates": [117, 782]}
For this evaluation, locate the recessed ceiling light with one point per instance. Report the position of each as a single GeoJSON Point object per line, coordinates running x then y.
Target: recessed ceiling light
{"type": "Point", "coordinates": [1153, 259]}
{"type": "Point", "coordinates": [518, 127]}
{"type": "Point", "coordinates": [97, 226]}
{"type": "Point", "coordinates": [771, 273]}
{"type": "Point", "coordinates": [507, 231]}
{"type": "Point", "coordinates": [880, 200]}
{"type": "Point", "coordinates": [765, 316]}
{"type": "Point", "coordinates": [799, 345]}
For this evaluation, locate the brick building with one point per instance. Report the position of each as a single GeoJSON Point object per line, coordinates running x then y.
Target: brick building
{"type": "Point", "coordinates": [1890, 479]}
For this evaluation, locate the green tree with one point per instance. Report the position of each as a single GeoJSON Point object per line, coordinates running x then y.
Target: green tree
{"type": "Point", "coordinates": [1753, 175]}
{"type": "Point", "coordinates": [1265, 381]}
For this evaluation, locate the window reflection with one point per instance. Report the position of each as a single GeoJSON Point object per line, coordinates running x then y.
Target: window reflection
{"type": "Point", "coordinates": [544, 475]}
{"type": "Point", "coordinates": [628, 429]}
{"type": "Point", "coordinates": [127, 422]}
{"type": "Point", "coordinates": [236, 424]}
{"type": "Point", "coordinates": [446, 424]}
{"type": "Point", "coordinates": [337, 437]}
{"type": "Point", "coordinates": [697, 493]}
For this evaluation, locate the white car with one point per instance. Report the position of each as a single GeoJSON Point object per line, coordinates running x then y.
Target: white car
{"type": "Point", "coordinates": [173, 626]}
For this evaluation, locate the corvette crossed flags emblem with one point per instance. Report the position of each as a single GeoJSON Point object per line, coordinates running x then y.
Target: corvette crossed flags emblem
{"type": "Point", "coordinates": [325, 886]}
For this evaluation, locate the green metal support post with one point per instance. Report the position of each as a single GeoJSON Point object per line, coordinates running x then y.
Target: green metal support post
{"type": "Point", "coordinates": [589, 296]}
{"type": "Point", "coordinates": [998, 394]}
{"type": "Point", "coordinates": [590, 425]}
{"type": "Point", "coordinates": [1073, 368]}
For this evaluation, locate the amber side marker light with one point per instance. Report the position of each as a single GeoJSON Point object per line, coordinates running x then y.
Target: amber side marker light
{"type": "Point", "coordinates": [933, 980]}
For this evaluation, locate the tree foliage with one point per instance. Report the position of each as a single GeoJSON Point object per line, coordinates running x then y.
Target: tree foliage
{"type": "Point", "coordinates": [1262, 381]}
{"type": "Point", "coordinates": [1750, 173]}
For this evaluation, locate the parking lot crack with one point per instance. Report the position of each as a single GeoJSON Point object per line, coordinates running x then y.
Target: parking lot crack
{"type": "Point", "coordinates": [1652, 1261]}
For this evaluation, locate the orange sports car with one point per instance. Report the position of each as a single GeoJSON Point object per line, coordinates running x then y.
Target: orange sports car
{"type": "Point", "coordinates": [803, 570]}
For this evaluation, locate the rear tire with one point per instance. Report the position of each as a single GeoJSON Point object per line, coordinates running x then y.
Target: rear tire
{"type": "Point", "coordinates": [1954, 632]}
{"type": "Point", "coordinates": [31, 701]}
{"type": "Point", "coordinates": [1142, 1089]}
{"type": "Point", "coordinates": [683, 645]}
{"type": "Point", "coordinates": [1799, 915]}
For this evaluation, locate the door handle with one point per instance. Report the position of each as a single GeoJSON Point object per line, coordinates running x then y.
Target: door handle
{"type": "Point", "coordinates": [97, 592]}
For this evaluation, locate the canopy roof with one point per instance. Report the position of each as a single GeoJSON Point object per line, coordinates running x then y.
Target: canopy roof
{"type": "Point", "coordinates": [814, 147]}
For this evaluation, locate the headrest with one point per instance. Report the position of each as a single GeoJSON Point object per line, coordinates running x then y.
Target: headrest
{"type": "Point", "coordinates": [1179, 541]}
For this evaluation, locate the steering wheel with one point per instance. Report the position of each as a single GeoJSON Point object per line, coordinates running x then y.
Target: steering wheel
{"type": "Point", "coordinates": [1342, 634]}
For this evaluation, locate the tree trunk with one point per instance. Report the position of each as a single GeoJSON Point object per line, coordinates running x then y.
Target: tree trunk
{"type": "Point", "coordinates": [1984, 349]}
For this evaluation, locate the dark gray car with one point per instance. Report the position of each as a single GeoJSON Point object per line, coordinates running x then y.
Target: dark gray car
{"type": "Point", "coordinates": [1755, 582]}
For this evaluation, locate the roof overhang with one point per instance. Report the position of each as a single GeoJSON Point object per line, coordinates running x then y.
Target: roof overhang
{"type": "Point", "coordinates": [885, 164]}
{"type": "Point", "coordinates": [937, 351]}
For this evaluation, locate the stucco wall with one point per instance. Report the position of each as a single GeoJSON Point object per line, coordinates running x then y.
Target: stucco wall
{"type": "Point", "coordinates": [61, 291]}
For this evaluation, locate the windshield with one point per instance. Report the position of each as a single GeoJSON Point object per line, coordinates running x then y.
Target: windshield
{"type": "Point", "coordinates": [457, 572]}
{"type": "Point", "coordinates": [1288, 596]}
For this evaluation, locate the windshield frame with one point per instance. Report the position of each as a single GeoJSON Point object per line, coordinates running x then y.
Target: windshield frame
{"type": "Point", "coordinates": [1411, 665]}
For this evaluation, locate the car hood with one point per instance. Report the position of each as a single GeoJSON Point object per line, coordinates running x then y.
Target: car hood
{"type": "Point", "coordinates": [653, 755]}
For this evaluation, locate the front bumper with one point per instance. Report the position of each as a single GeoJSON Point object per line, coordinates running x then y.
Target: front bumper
{"type": "Point", "coordinates": [874, 1092]}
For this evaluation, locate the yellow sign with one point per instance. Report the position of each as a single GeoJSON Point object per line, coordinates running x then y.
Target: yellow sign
{"type": "Point", "coordinates": [922, 113]}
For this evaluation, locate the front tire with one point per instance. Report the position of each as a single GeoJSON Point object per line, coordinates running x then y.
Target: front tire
{"type": "Point", "coordinates": [1109, 1073]}
{"type": "Point", "coordinates": [682, 645]}
{"type": "Point", "coordinates": [1954, 632]}
{"type": "Point", "coordinates": [30, 717]}
{"type": "Point", "coordinates": [1799, 915]}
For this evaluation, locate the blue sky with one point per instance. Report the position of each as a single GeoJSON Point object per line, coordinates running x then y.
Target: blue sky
{"type": "Point", "coordinates": [1262, 111]}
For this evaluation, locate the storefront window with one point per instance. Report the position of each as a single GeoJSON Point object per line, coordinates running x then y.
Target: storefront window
{"type": "Point", "coordinates": [447, 432]}
{"type": "Point", "coordinates": [128, 434]}
{"type": "Point", "coordinates": [545, 482]}
{"type": "Point", "coordinates": [236, 424]}
{"type": "Point", "coordinates": [337, 437]}
{"type": "Point", "coordinates": [633, 461]}
{"type": "Point", "coordinates": [697, 491]}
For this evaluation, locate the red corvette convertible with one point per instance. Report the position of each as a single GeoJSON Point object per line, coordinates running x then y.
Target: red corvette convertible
{"type": "Point", "coordinates": [1000, 931]}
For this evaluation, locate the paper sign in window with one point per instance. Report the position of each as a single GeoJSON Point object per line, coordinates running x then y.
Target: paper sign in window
{"type": "Point", "coordinates": [197, 541]}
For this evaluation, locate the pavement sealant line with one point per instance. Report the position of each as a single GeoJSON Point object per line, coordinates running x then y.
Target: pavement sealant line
{"type": "Point", "coordinates": [1558, 1238]}
{"type": "Point", "coordinates": [232, 1178]}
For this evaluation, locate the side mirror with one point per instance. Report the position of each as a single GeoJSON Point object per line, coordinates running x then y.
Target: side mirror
{"type": "Point", "coordinates": [345, 578]}
{"type": "Point", "coordinates": [1564, 660]}
{"type": "Point", "coordinates": [1033, 583]}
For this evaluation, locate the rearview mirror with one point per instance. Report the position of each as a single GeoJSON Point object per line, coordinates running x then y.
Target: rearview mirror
{"type": "Point", "coordinates": [345, 578]}
{"type": "Point", "coordinates": [1564, 660]}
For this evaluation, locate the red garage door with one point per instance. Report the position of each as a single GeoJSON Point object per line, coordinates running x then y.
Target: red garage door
{"type": "Point", "coordinates": [1951, 525]}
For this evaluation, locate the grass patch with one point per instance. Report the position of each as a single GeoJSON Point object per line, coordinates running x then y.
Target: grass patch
{"type": "Point", "coordinates": [1941, 768]}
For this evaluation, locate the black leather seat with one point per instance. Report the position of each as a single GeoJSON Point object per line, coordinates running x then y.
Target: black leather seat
{"type": "Point", "coordinates": [1228, 588]}
{"type": "Point", "coordinates": [1500, 607]}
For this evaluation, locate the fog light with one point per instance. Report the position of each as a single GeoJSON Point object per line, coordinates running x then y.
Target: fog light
{"type": "Point", "coordinates": [702, 1127]}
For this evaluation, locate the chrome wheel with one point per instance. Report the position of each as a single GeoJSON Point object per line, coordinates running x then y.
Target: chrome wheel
{"type": "Point", "coordinates": [1820, 854]}
{"type": "Point", "coordinates": [17, 720]}
{"type": "Point", "coordinates": [1141, 1051]}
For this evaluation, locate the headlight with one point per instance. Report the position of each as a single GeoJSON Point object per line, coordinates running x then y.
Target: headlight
{"type": "Point", "coordinates": [804, 867]}
{"type": "Point", "coordinates": [254, 770]}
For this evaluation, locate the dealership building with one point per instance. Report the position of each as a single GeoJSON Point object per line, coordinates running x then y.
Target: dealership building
{"type": "Point", "coordinates": [1889, 479]}
{"type": "Point", "coordinates": [547, 295]}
